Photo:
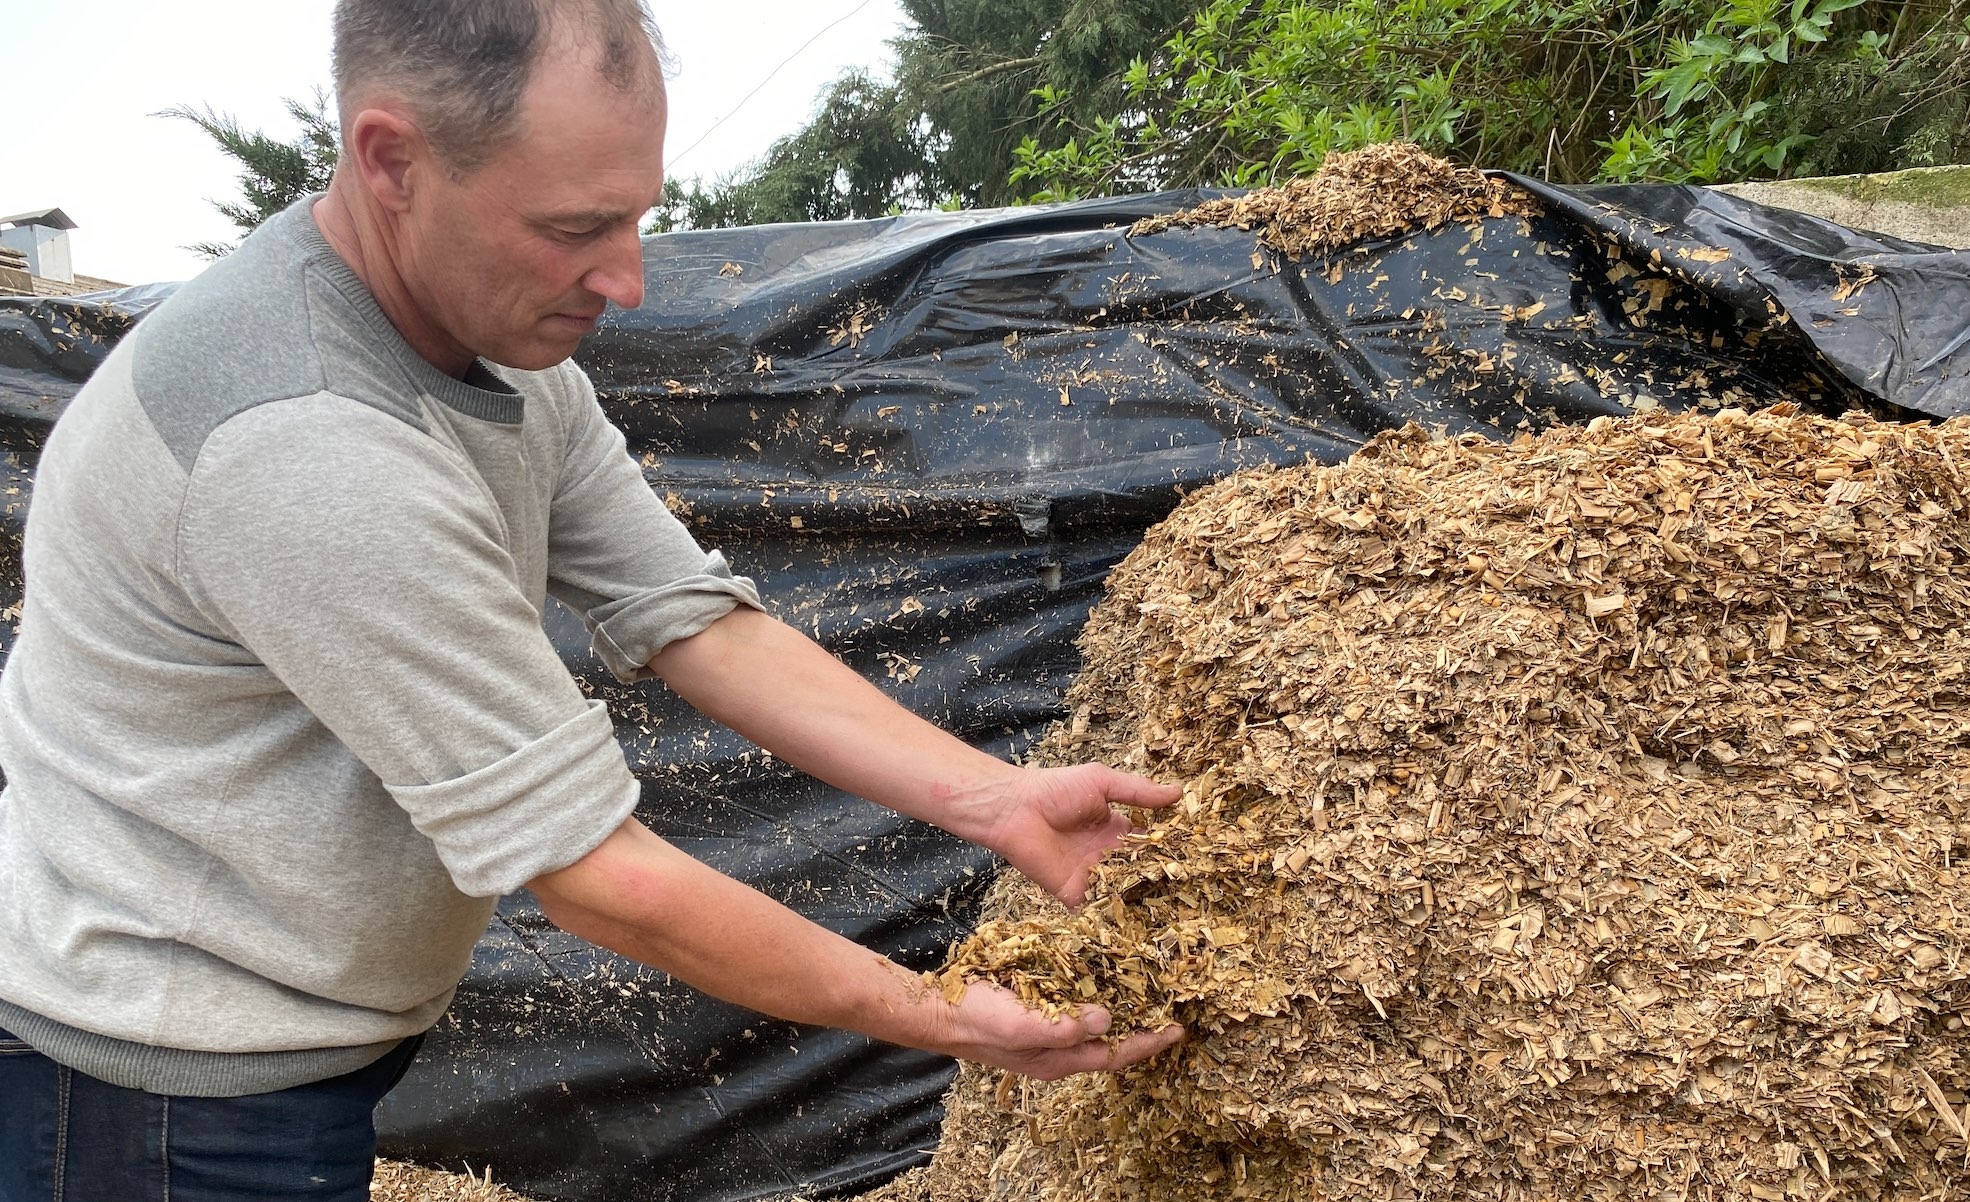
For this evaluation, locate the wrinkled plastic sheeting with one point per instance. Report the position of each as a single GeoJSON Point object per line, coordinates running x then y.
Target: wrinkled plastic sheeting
{"type": "Point", "coordinates": [1030, 359]}
{"type": "Point", "coordinates": [929, 438]}
{"type": "Point", "coordinates": [1887, 314]}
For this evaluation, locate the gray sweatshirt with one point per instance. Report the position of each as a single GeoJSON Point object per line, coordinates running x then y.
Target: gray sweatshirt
{"type": "Point", "coordinates": [281, 721]}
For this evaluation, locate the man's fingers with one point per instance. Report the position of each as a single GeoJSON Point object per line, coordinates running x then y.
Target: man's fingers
{"type": "Point", "coordinates": [1096, 1055]}
{"type": "Point", "coordinates": [1140, 791]}
{"type": "Point", "coordinates": [1072, 1030]}
{"type": "Point", "coordinates": [1111, 827]}
{"type": "Point", "coordinates": [1051, 1048]}
{"type": "Point", "coordinates": [1144, 1044]}
{"type": "Point", "coordinates": [1110, 786]}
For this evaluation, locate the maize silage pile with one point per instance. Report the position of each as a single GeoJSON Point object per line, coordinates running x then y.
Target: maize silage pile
{"type": "Point", "coordinates": [1579, 817]}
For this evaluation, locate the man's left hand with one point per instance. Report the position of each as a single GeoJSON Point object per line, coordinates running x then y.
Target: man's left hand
{"type": "Point", "coordinates": [1056, 822]}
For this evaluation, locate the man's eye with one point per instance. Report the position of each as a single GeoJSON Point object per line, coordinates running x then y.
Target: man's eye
{"type": "Point", "coordinates": [577, 235]}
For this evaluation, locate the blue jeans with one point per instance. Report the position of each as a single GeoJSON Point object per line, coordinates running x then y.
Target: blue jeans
{"type": "Point", "coordinates": [68, 1137]}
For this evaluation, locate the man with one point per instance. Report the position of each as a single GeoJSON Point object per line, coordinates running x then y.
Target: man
{"type": "Point", "coordinates": [282, 722]}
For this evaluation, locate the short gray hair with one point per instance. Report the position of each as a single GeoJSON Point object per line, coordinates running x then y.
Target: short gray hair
{"type": "Point", "coordinates": [463, 65]}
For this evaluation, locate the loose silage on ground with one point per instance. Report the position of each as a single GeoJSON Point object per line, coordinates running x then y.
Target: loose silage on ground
{"type": "Point", "coordinates": [396, 1181]}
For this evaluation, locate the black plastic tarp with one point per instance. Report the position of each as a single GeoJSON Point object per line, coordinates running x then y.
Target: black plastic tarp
{"type": "Point", "coordinates": [928, 438]}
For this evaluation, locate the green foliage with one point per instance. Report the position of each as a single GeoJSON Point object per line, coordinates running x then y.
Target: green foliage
{"type": "Point", "coordinates": [1889, 88]}
{"type": "Point", "coordinates": [1255, 91]}
{"type": "Point", "coordinates": [1259, 90]}
{"type": "Point", "coordinates": [1766, 80]}
{"type": "Point", "coordinates": [942, 135]}
{"type": "Point", "coordinates": [858, 157]}
{"type": "Point", "coordinates": [273, 174]}
{"type": "Point", "coordinates": [976, 72]}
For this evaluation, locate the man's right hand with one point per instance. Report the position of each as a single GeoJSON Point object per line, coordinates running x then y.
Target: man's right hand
{"type": "Point", "coordinates": [993, 1027]}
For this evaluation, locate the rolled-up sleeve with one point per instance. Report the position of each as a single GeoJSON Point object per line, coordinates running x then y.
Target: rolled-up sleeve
{"type": "Point", "coordinates": [501, 826]}
{"type": "Point", "coordinates": [619, 557]}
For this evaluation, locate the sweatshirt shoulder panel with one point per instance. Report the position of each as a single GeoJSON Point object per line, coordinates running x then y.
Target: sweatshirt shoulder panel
{"type": "Point", "coordinates": [261, 325]}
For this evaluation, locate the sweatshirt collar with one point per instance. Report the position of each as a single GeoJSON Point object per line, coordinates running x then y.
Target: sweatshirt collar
{"type": "Point", "coordinates": [483, 393]}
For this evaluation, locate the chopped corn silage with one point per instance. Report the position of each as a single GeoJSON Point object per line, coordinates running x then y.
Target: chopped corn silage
{"type": "Point", "coordinates": [1574, 817]}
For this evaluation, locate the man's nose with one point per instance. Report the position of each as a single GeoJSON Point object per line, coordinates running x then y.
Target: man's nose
{"type": "Point", "coordinates": [619, 276]}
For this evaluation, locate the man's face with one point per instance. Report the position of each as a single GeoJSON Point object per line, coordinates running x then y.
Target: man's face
{"type": "Point", "coordinates": [515, 259]}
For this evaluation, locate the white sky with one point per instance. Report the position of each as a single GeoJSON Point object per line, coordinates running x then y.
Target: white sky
{"type": "Point", "coordinates": [79, 80]}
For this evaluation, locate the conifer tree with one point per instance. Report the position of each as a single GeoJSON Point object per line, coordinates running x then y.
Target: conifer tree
{"type": "Point", "coordinates": [273, 174]}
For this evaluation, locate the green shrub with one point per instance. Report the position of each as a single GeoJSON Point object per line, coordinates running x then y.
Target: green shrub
{"type": "Point", "coordinates": [1253, 91]}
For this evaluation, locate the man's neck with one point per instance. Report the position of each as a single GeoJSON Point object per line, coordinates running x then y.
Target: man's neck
{"type": "Point", "coordinates": [358, 234]}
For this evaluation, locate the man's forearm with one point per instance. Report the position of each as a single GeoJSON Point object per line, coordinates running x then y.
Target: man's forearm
{"type": "Point", "coordinates": [642, 897]}
{"type": "Point", "coordinates": [777, 687]}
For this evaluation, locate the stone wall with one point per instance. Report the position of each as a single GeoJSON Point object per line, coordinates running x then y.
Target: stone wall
{"type": "Point", "coordinates": [1926, 204]}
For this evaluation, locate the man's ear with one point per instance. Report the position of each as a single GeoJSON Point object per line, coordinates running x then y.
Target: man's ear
{"type": "Point", "coordinates": [390, 155]}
